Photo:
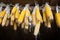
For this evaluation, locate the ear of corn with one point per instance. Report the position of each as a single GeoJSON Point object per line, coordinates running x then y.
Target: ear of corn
{"type": "Point", "coordinates": [12, 19]}
{"type": "Point", "coordinates": [17, 13]}
{"type": "Point", "coordinates": [21, 16]}
{"type": "Point", "coordinates": [38, 21]}
{"type": "Point", "coordinates": [2, 14]}
{"type": "Point", "coordinates": [37, 27]}
{"type": "Point", "coordinates": [44, 15]}
{"type": "Point", "coordinates": [26, 18]}
{"type": "Point", "coordinates": [4, 20]}
{"type": "Point", "coordinates": [26, 23]}
{"type": "Point", "coordinates": [7, 21]}
{"type": "Point", "coordinates": [38, 15]}
{"type": "Point", "coordinates": [57, 18]}
{"type": "Point", "coordinates": [48, 12]}
{"type": "Point", "coordinates": [48, 15]}
{"type": "Point", "coordinates": [33, 17]}
{"type": "Point", "coordinates": [44, 18]}
{"type": "Point", "coordinates": [13, 10]}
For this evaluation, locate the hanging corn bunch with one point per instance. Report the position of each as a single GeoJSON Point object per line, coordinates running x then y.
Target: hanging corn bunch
{"type": "Point", "coordinates": [26, 19]}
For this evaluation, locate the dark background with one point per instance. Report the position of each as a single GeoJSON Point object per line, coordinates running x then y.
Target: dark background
{"type": "Point", "coordinates": [23, 2]}
{"type": "Point", "coordinates": [7, 33]}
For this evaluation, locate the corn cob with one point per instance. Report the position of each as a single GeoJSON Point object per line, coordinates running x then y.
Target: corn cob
{"type": "Point", "coordinates": [26, 23]}
{"type": "Point", "coordinates": [12, 20]}
{"type": "Point", "coordinates": [38, 15]}
{"type": "Point", "coordinates": [17, 14]}
{"type": "Point", "coordinates": [49, 15]}
{"type": "Point", "coordinates": [22, 15]}
{"type": "Point", "coordinates": [44, 15]}
{"type": "Point", "coordinates": [13, 12]}
{"type": "Point", "coordinates": [57, 17]}
{"type": "Point", "coordinates": [26, 18]}
{"type": "Point", "coordinates": [7, 21]}
{"type": "Point", "coordinates": [37, 27]}
{"type": "Point", "coordinates": [33, 17]}
{"type": "Point", "coordinates": [4, 20]}
{"type": "Point", "coordinates": [38, 21]}
{"type": "Point", "coordinates": [48, 12]}
{"type": "Point", "coordinates": [2, 14]}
